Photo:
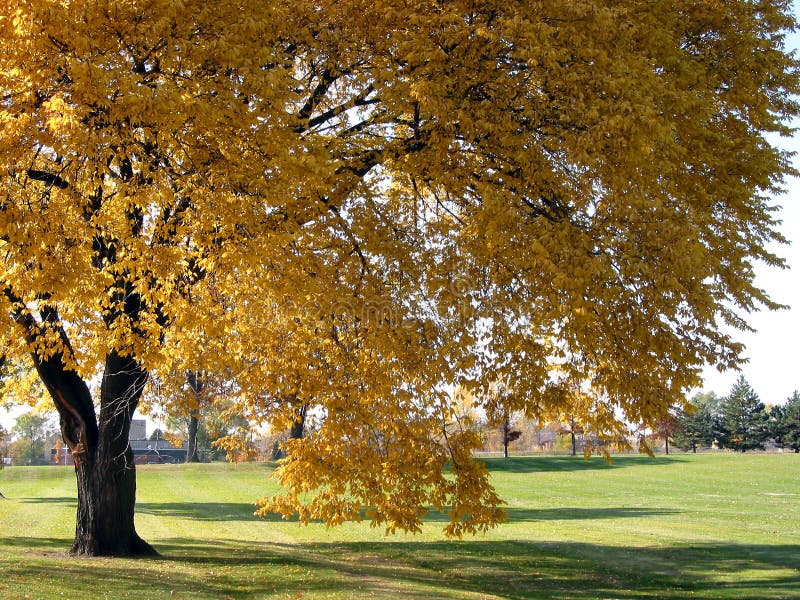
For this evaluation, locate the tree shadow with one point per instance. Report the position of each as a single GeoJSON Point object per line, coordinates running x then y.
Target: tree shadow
{"type": "Point", "coordinates": [545, 464]}
{"type": "Point", "coordinates": [48, 500]}
{"type": "Point", "coordinates": [200, 511]}
{"type": "Point", "coordinates": [243, 511]}
{"type": "Point", "coordinates": [516, 515]}
{"type": "Point", "coordinates": [512, 569]}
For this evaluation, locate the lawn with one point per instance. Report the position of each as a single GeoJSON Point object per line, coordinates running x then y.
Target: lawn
{"type": "Point", "coordinates": [704, 526]}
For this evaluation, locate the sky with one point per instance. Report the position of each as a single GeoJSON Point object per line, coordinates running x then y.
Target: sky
{"type": "Point", "coordinates": [773, 350]}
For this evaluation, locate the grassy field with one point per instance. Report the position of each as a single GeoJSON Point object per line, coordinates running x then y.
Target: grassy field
{"type": "Point", "coordinates": [705, 526]}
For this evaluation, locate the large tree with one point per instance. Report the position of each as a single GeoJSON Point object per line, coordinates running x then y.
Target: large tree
{"type": "Point", "coordinates": [352, 205]}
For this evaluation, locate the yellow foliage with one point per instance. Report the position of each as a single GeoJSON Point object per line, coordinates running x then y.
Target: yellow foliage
{"type": "Point", "coordinates": [348, 206]}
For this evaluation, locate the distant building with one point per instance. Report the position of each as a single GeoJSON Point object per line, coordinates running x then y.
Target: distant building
{"type": "Point", "coordinates": [144, 451]}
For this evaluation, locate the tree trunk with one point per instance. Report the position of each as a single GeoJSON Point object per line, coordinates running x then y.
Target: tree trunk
{"type": "Point", "coordinates": [103, 459]}
{"type": "Point", "coordinates": [296, 432]}
{"type": "Point", "coordinates": [298, 427]}
{"type": "Point", "coordinates": [104, 468]}
{"type": "Point", "coordinates": [106, 473]}
{"type": "Point", "coordinates": [106, 499]}
{"type": "Point", "coordinates": [666, 445]}
{"type": "Point", "coordinates": [574, 449]}
{"type": "Point", "coordinates": [506, 430]}
{"type": "Point", "coordinates": [196, 385]}
{"type": "Point", "coordinates": [192, 455]}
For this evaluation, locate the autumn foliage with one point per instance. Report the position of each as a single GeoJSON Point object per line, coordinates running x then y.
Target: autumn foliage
{"type": "Point", "coordinates": [353, 205]}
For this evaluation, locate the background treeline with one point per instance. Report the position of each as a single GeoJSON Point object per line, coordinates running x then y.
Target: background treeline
{"type": "Point", "coordinates": [738, 422]}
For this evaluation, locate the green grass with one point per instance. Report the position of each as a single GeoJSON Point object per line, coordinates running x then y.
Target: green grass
{"type": "Point", "coordinates": [705, 526]}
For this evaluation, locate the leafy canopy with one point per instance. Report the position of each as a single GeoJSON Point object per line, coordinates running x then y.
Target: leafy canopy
{"type": "Point", "coordinates": [352, 205]}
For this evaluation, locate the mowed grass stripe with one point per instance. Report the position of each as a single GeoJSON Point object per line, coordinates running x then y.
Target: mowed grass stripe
{"type": "Point", "coordinates": [705, 526]}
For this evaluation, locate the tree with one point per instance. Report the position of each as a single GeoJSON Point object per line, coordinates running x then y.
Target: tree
{"type": "Point", "coordinates": [356, 208]}
{"type": "Point", "coordinates": [744, 419]}
{"type": "Point", "coordinates": [785, 423]}
{"type": "Point", "coordinates": [501, 412]}
{"type": "Point", "coordinates": [197, 407]}
{"type": "Point", "coordinates": [667, 426]}
{"type": "Point", "coordinates": [5, 438]}
{"type": "Point", "coordinates": [32, 432]}
{"type": "Point", "coordinates": [697, 422]}
{"type": "Point", "coordinates": [573, 429]}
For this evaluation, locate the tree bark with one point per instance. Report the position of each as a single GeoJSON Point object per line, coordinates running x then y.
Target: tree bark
{"type": "Point", "coordinates": [106, 472]}
{"type": "Point", "coordinates": [298, 427]}
{"type": "Point", "coordinates": [666, 444]}
{"type": "Point", "coordinates": [296, 432]}
{"type": "Point", "coordinates": [104, 468]}
{"type": "Point", "coordinates": [196, 386]}
{"type": "Point", "coordinates": [506, 430]}
{"type": "Point", "coordinates": [192, 454]}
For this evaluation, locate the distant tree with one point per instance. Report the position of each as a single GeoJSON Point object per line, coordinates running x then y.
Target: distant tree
{"type": "Point", "coordinates": [744, 424]}
{"type": "Point", "coordinates": [5, 438]}
{"type": "Point", "coordinates": [196, 384]}
{"type": "Point", "coordinates": [785, 423]}
{"type": "Point", "coordinates": [667, 426]}
{"type": "Point", "coordinates": [508, 432]}
{"type": "Point", "coordinates": [697, 422]}
{"type": "Point", "coordinates": [156, 435]}
{"type": "Point", "coordinates": [501, 413]}
{"type": "Point", "coordinates": [573, 429]}
{"type": "Point", "coordinates": [32, 432]}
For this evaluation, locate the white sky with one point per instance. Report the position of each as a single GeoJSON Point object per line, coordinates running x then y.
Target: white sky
{"type": "Point", "coordinates": [773, 369]}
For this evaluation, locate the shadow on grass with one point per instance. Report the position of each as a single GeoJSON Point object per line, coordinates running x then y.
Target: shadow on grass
{"type": "Point", "coordinates": [545, 464]}
{"type": "Point", "coordinates": [508, 569]}
{"type": "Point", "coordinates": [200, 511]}
{"type": "Point", "coordinates": [243, 511]}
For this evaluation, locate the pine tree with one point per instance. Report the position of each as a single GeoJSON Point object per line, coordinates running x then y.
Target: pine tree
{"type": "Point", "coordinates": [744, 419]}
{"type": "Point", "coordinates": [696, 423]}
{"type": "Point", "coordinates": [785, 423]}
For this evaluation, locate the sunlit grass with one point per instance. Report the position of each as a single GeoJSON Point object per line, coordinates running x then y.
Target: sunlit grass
{"type": "Point", "coordinates": [705, 526]}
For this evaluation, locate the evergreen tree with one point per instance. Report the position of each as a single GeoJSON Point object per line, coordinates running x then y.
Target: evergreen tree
{"type": "Point", "coordinates": [696, 423]}
{"type": "Point", "coordinates": [785, 423]}
{"type": "Point", "coordinates": [744, 419]}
